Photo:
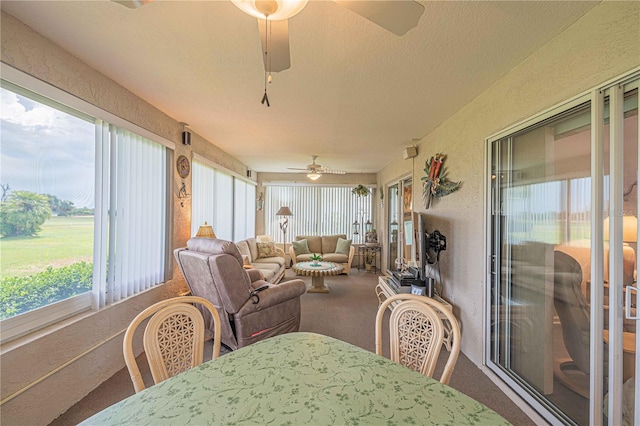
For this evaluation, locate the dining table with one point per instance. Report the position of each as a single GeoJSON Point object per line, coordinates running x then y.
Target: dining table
{"type": "Point", "coordinates": [294, 379]}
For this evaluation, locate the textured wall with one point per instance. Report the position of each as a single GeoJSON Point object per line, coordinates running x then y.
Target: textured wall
{"type": "Point", "coordinates": [601, 45]}
{"type": "Point", "coordinates": [30, 358]}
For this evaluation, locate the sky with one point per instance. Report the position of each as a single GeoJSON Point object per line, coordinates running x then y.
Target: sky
{"type": "Point", "coordinates": [45, 150]}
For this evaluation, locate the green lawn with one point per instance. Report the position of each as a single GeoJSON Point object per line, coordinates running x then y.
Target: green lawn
{"type": "Point", "coordinates": [62, 241]}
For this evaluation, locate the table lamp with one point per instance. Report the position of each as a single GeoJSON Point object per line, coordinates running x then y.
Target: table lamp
{"type": "Point", "coordinates": [206, 231]}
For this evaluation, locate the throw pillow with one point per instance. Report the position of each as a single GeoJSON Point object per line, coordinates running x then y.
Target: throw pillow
{"type": "Point", "coordinates": [343, 246]}
{"type": "Point", "coordinates": [266, 250]}
{"type": "Point", "coordinates": [300, 247]}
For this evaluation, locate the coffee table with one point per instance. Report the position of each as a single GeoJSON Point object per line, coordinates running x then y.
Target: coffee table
{"type": "Point", "coordinates": [317, 274]}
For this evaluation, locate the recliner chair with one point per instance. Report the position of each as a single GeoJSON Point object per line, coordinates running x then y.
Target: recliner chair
{"type": "Point", "coordinates": [249, 311]}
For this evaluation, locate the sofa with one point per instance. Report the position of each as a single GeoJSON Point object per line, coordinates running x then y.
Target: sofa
{"type": "Point", "coordinates": [326, 246]}
{"type": "Point", "coordinates": [264, 256]}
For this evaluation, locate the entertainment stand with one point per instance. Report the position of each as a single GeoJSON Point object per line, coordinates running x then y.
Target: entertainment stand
{"type": "Point", "coordinates": [384, 290]}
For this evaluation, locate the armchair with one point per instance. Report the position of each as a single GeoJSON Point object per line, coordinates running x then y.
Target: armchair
{"type": "Point", "coordinates": [249, 310]}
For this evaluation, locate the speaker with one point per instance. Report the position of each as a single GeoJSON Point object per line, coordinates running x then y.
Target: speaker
{"type": "Point", "coordinates": [248, 173]}
{"type": "Point", "coordinates": [409, 152]}
{"type": "Point", "coordinates": [186, 138]}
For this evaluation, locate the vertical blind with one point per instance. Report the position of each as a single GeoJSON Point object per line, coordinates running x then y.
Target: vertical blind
{"type": "Point", "coordinates": [223, 201]}
{"type": "Point", "coordinates": [244, 225]}
{"type": "Point", "coordinates": [131, 213]}
{"type": "Point", "coordinates": [317, 210]}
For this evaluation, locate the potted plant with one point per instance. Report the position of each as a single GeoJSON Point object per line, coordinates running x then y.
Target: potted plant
{"type": "Point", "coordinates": [360, 191]}
{"type": "Point", "coordinates": [315, 259]}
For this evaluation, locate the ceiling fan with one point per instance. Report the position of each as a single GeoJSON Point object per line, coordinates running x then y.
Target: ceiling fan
{"type": "Point", "coordinates": [397, 17]}
{"type": "Point", "coordinates": [314, 171]}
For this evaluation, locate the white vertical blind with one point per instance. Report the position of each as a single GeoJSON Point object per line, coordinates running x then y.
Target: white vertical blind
{"type": "Point", "coordinates": [222, 200]}
{"type": "Point", "coordinates": [202, 188]}
{"type": "Point", "coordinates": [130, 214]}
{"type": "Point", "coordinates": [317, 210]}
{"type": "Point", "coordinates": [101, 218]}
{"type": "Point", "coordinates": [244, 210]}
{"type": "Point", "coordinates": [138, 205]}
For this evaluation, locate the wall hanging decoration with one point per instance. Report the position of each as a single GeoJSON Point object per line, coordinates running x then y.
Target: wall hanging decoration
{"type": "Point", "coordinates": [435, 184]}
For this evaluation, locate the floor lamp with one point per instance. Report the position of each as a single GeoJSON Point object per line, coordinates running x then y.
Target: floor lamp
{"type": "Point", "coordinates": [284, 212]}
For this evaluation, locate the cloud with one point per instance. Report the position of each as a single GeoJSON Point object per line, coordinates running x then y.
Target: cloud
{"type": "Point", "coordinates": [45, 150]}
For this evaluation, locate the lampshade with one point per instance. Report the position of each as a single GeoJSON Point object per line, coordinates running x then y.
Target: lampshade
{"type": "Point", "coordinates": [206, 231]}
{"type": "Point", "coordinates": [629, 229]}
{"type": "Point", "coordinates": [276, 10]}
{"type": "Point", "coordinates": [284, 211]}
{"type": "Point", "coordinates": [314, 176]}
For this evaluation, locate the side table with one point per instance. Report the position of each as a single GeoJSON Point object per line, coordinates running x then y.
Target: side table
{"type": "Point", "coordinates": [369, 252]}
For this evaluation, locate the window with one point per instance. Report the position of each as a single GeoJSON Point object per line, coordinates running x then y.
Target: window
{"type": "Point", "coordinates": [83, 213]}
{"type": "Point", "coordinates": [317, 210]}
{"type": "Point", "coordinates": [223, 200]}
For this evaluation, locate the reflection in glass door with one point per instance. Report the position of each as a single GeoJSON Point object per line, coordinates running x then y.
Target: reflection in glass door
{"type": "Point", "coordinates": [393, 202]}
{"type": "Point", "coordinates": [563, 241]}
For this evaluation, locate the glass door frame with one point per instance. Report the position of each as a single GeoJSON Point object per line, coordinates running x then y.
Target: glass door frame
{"type": "Point", "coordinates": [615, 89]}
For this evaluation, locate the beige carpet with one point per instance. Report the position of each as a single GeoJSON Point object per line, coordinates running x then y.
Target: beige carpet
{"type": "Point", "coordinates": [347, 313]}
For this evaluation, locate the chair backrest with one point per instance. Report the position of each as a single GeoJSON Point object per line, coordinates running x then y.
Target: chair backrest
{"type": "Point", "coordinates": [213, 270]}
{"type": "Point", "coordinates": [417, 333]}
{"type": "Point", "coordinates": [173, 338]}
{"type": "Point", "coordinates": [572, 309]}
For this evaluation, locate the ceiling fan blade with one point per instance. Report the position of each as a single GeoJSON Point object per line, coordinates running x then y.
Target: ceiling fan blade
{"type": "Point", "coordinates": [296, 168]}
{"type": "Point", "coordinates": [333, 172]}
{"type": "Point", "coordinates": [278, 49]}
{"type": "Point", "coordinates": [395, 16]}
{"type": "Point", "coordinates": [133, 4]}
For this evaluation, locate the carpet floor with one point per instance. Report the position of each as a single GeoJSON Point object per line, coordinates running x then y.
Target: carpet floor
{"type": "Point", "coordinates": [347, 313]}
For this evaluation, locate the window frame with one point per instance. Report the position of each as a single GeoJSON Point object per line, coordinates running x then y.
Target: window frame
{"type": "Point", "coordinates": [27, 322]}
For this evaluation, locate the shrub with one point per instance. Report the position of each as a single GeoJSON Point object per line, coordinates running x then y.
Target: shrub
{"type": "Point", "coordinates": [23, 213]}
{"type": "Point", "coordinates": [23, 294]}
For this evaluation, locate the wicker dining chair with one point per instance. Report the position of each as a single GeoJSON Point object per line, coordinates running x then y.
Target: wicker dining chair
{"type": "Point", "coordinates": [416, 333]}
{"type": "Point", "coordinates": [173, 338]}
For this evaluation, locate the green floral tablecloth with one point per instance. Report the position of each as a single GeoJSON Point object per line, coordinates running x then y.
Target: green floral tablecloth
{"type": "Point", "coordinates": [295, 379]}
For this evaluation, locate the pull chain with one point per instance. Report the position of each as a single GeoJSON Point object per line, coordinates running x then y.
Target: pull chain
{"type": "Point", "coordinates": [267, 72]}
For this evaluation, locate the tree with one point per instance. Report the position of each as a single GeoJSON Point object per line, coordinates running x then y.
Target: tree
{"type": "Point", "coordinates": [60, 207]}
{"type": "Point", "coordinates": [5, 191]}
{"type": "Point", "coordinates": [23, 213]}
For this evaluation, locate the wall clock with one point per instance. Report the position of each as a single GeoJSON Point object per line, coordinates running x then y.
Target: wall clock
{"type": "Point", "coordinates": [183, 166]}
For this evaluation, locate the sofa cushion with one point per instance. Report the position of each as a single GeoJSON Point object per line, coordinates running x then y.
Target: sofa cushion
{"type": "Point", "coordinates": [304, 257]}
{"type": "Point", "coordinates": [253, 247]}
{"type": "Point", "coordinates": [300, 247]}
{"type": "Point", "coordinates": [314, 242]}
{"type": "Point", "coordinates": [343, 246]}
{"type": "Point", "coordinates": [335, 258]}
{"type": "Point", "coordinates": [266, 250]}
{"type": "Point", "coordinates": [243, 248]}
{"type": "Point", "coordinates": [329, 242]}
{"type": "Point", "coordinates": [276, 259]}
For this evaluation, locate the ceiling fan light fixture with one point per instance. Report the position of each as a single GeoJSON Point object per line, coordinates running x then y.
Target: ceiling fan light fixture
{"type": "Point", "coordinates": [314, 176]}
{"type": "Point", "coordinates": [275, 10]}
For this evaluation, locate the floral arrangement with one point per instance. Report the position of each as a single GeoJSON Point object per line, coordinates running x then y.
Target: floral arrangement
{"type": "Point", "coordinates": [360, 191]}
{"type": "Point", "coordinates": [435, 183]}
{"type": "Point", "coordinates": [315, 258]}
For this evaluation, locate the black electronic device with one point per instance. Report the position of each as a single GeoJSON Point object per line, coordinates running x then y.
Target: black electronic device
{"type": "Point", "coordinates": [436, 242]}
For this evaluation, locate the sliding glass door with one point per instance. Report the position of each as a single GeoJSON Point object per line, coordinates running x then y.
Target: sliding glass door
{"type": "Point", "coordinates": [562, 255]}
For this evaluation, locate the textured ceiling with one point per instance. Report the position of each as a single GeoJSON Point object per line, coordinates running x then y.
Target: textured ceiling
{"type": "Point", "coordinates": [355, 94]}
